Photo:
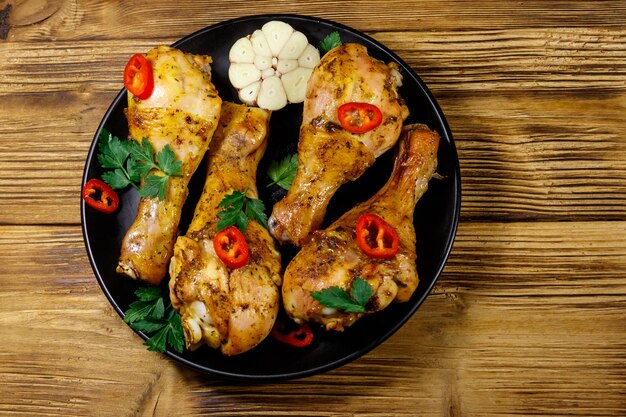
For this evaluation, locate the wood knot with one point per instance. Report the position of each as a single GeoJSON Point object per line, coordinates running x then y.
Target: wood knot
{"type": "Point", "coordinates": [5, 26]}
{"type": "Point", "coordinates": [27, 13]}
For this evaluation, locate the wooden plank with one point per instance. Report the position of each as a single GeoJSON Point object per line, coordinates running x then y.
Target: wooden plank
{"type": "Point", "coordinates": [530, 158]}
{"type": "Point", "coordinates": [510, 169]}
{"type": "Point", "coordinates": [528, 318]}
{"type": "Point", "coordinates": [64, 19]}
{"type": "Point", "coordinates": [577, 262]}
{"type": "Point", "coordinates": [555, 150]}
{"type": "Point", "coordinates": [65, 351]}
{"type": "Point", "coordinates": [534, 139]}
{"type": "Point", "coordinates": [532, 59]}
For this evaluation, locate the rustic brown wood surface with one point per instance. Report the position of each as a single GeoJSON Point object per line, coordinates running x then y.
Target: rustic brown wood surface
{"type": "Point", "coordinates": [529, 315]}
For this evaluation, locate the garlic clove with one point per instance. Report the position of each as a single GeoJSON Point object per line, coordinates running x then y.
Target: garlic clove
{"type": "Point", "coordinates": [286, 65]}
{"type": "Point", "coordinates": [249, 93]}
{"type": "Point", "coordinates": [277, 33]}
{"type": "Point", "coordinates": [241, 75]}
{"type": "Point", "coordinates": [309, 57]}
{"type": "Point", "coordinates": [263, 62]}
{"type": "Point", "coordinates": [242, 52]}
{"type": "Point", "coordinates": [294, 83]}
{"type": "Point", "coordinates": [272, 94]}
{"type": "Point", "coordinates": [268, 72]}
{"type": "Point", "coordinates": [294, 46]}
{"type": "Point", "coordinates": [259, 43]}
{"type": "Point", "coordinates": [271, 67]}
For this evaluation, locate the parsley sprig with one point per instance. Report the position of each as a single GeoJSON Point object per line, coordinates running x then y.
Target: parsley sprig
{"type": "Point", "coordinates": [149, 315]}
{"type": "Point", "coordinates": [238, 209]}
{"type": "Point", "coordinates": [336, 297]}
{"type": "Point", "coordinates": [131, 161]}
{"type": "Point", "coordinates": [332, 40]}
{"type": "Point", "coordinates": [283, 172]}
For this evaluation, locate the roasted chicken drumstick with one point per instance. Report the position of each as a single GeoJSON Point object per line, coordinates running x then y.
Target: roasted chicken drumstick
{"type": "Point", "coordinates": [334, 258]}
{"type": "Point", "coordinates": [328, 155]}
{"type": "Point", "coordinates": [228, 309]}
{"type": "Point", "coordinates": [182, 112]}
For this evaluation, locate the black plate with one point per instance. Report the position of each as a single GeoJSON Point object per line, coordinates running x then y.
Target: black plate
{"type": "Point", "coordinates": [436, 214]}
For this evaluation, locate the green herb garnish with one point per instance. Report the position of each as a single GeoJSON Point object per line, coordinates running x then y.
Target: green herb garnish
{"type": "Point", "coordinates": [131, 161]}
{"type": "Point", "coordinates": [282, 173]}
{"type": "Point", "coordinates": [238, 209]}
{"type": "Point", "coordinates": [336, 297]}
{"type": "Point", "coordinates": [114, 154]}
{"type": "Point", "coordinates": [331, 41]}
{"type": "Point", "coordinates": [149, 315]}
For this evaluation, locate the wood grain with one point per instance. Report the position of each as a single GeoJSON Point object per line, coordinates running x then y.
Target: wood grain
{"type": "Point", "coordinates": [72, 19]}
{"type": "Point", "coordinates": [536, 141]}
{"type": "Point", "coordinates": [529, 315]}
{"type": "Point", "coordinates": [494, 338]}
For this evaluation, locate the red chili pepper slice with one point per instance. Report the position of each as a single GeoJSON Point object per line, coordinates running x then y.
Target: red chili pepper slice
{"type": "Point", "coordinates": [359, 117]}
{"type": "Point", "coordinates": [138, 78]}
{"type": "Point", "coordinates": [376, 238]}
{"type": "Point", "coordinates": [99, 195]}
{"type": "Point", "coordinates": [231, 247]}
{"type": "Point", "coordinates": [293, 334]}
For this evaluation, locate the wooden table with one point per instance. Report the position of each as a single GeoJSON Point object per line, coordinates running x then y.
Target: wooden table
{"type": "Point", "coordinates": [529, 315]}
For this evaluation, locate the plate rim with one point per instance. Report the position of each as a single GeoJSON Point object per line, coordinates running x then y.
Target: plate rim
{"type": "Point", "coordinates": [438, 112]}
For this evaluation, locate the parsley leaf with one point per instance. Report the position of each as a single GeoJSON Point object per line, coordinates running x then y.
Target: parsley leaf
{"type": "Point", "coordinates": [255, 210]}
{"type": "Point", "coordinates": [234, 199]}
{"type": "Point", "coordinates": [149, 315]}
{"type": "Point", "coordinates": [336, 297]}
{"type": "Point", "coordinates": [331, 41]}
{"type": "Point", "coordinates": [361, 291]}
{"type": "Point", "coordinates": [282, 173]}
{"type": "Point", "coordinates": [117, 179]}
{"type": "Point", "coordinates": [136, 170]}
{"type": "Point", "coordinates": [154, 186]}
{"type": "Point", "coordinates": [113, 152]}
{"type": "Point", "coordinates": [148, 325]}
{"type": "Point", "coordinates": [139, 310]}
{"type": "Point", "coordinates": [142, 152]}
{"type": "Point", "coordinates": [232, 216]}
{"type": "Point", "coordinates": [157, 343]}
{"type": "Point", "coordinates": [132, 161]}
{"type": "Point", "coordinates": [238, 209]}
{"type": "Point", "coordinates": [169, 333]}
{"type": "Point", "coordinates": [166, 160]}
{"type": "Point", "coordinates": [175, 337]}
{"type": "Point", "coordinates": [148, 293]}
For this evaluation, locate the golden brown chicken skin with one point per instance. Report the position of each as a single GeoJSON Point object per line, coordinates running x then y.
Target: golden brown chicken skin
{"type": "Point", "coordinates": [333, 257]}
{"type": "Point", "coordinates": [328, 155]}
{"type": "Point", "coordinates": [182, 112]}
{"type": "Point", "coordinates": [228, 309]}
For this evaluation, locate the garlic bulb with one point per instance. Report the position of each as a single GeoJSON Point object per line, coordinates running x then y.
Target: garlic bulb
{"type": "Point", "coordinates": [271, 67]}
